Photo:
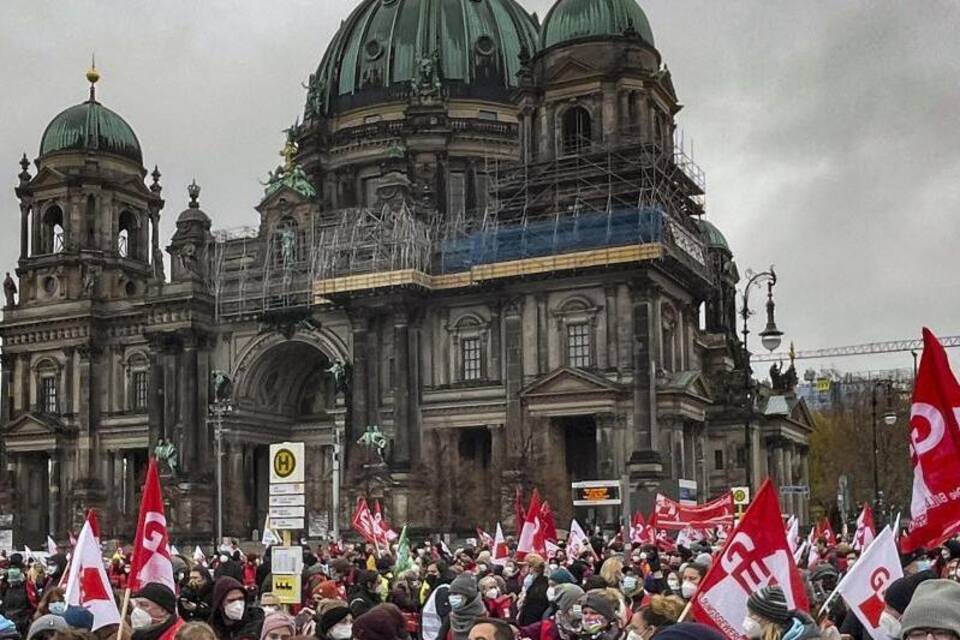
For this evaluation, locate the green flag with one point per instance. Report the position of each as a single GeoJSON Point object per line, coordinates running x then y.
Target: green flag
{"type": "Point", "coordinates": [403, 554]}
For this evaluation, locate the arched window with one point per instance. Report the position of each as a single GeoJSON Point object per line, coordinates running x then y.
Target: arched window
{"type": "Point", "coordinates": [47, 373]}
{"type": "Point", "coordinates": [577, 130]}
{"type": "Point", "coordinates": [128, 235]}
{"type": "Point", "coordinates": [51, 231]}
{"type": "Point", "coordinates": [138, 383]}
{"type": "Point", "coordinates": [286, 243]}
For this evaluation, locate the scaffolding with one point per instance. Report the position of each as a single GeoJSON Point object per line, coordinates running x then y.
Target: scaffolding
{"type": "Point", "coordinates": [582, 206]}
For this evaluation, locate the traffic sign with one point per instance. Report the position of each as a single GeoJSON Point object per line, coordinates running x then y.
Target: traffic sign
{"type": "Point", "coordinates": [287, 462]}
{"type": "Point", "coordinates": [741, 495]}
{"type": "Point", "coordinates": [286, 512]}
{"type": "Point", "coordinates": [291, 500]}
{"type": "Point", "coordinates": [288, 524]}
{"type": "Point", "coordinates": [287, 588]}
{"type": "Point", "coordinates": [286, 488]}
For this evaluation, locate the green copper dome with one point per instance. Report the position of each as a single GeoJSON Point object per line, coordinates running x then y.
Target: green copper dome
{"type": "Point", "coordinates": [712, 236]}
{"type": "Point", "coordinates": [574, 19]}
{"type": "Point", "coordinates": [387, 49]}
{"type": "Point", "coordinates": [90, 126]}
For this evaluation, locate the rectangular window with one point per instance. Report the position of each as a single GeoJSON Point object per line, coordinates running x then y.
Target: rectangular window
{"type": "Point", "coordinates": [482, 184]}
{"type": "Point", "coordinates": [470, 350]}
{"type": "Point", "coordinates": [741, 457]}
{"type": "Point", "coordinates": [48, 394]}
{"type": "Point", "coordinates": [139, 384]}
{"type": "Point", "coordinates": [718, 459]}
{"type": "Point", "coordinates": [578, 345]}
{"type": "Point", "coordinates": [456, 193]}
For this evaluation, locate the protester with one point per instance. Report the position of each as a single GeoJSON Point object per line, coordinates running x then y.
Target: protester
{"type": "Point", "coordinates": [563, 624]}
{"type": "Point", "coordinates": [231, 618]}
{"type": "Point", "coordinates": [51, 602]}
{"type": "Point", "coordinates": [689, 631]}
{"type": "Point", "coordinates": [196, 631]}
{"type": "Point", "coordinates": [196, 597]}
{"type": "Point", "coordinates": [365, 594]}
{"type": "Point", "coordinates": [335, 621]}
{"type": "Point", "coordinates": [154, 613]}
{"type": "Point", "coordinates": [690, 579]}
{"type": "Point", "coordinates": [490, 629]}
{"type": "Point", "coordinates": [534, 595]}
{"type": "Point", "coordinates": [277, 626]}
{"type": "Point", "coordinates": [15, 605]}
{"type": "Point", "coordinates": [598, 618]}
{"type": "Point", "coordinates": [498, 604]}
{"type": "Point", "coordinates": [662, 612]}
{"type": "Point", "coordinates": [8, 629]}
{"type": "Point", "coordinates": [770, 618]}
{"type": "Point", "coordinates": [466, 606]}
{"type": "Point", "coordinates": [56, 565]}
{"type": "Point", "coordinates": [382, 622]}
{"type": "Point", "coordinates": [933, 611]}
{"type": "Point", "coordinates": [44, 627]}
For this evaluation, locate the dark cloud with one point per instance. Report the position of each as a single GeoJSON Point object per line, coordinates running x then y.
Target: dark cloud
{"type": "Point", "coordinates": [827, 128]}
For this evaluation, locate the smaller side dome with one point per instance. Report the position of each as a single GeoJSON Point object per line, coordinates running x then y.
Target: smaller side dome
{"type": "Point", "coordinates": [570, 20]}
{"type": "Point", "coordinates": [91, 127]}
{"type": "Point", "coordinates": [712, 236]}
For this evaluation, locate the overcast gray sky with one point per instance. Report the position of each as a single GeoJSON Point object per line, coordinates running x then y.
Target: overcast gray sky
{"type": "Point", "coordinates": [828, 129]}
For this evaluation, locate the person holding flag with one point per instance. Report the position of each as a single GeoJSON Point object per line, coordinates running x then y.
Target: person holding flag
{"type": "Point", "coordinates": [770, 617]}
{"type": "Point", "coordinates": [154, 614]}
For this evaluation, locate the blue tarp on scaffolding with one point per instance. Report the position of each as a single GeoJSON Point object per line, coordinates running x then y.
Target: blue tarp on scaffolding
{"type": "Point", "coordinates": [549, 237]}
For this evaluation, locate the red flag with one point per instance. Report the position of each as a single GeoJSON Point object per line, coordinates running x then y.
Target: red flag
{"type": "Point", "coordinates": [866, 582]}
{"type": "Point", "coordinates": [501, 553]}
{"type": "Point", "coordinates": [548, 524]}
{"type": "Point", "coordinates": [151, 552]}
{"type": "Point", "coordinates": [935, 450]}
{"type": "Point", "coordinates": [384, 531]}
{"type": "Point", "coordinates": [866, 530]}
{"type": "Point", "coordinates": [362, 522]}
{"type": "Point", "coordinates": [825, 531]}
{"type": "Point", "coordinates": [485, 539]}
{"type": "Point", "coordinates": [756, 555]}
{"type": "Point", "coordinates": [673, 515]}
{"type": "Point", "coordinates": [88, 585]}
{"type": "Point", "coordinates": [518, 512]}
{"type": "Point", "coordinates": [531, 529]}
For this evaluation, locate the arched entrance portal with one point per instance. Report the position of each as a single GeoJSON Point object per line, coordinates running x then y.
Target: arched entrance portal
{"type": "Point", "coordinates": [284, 390]}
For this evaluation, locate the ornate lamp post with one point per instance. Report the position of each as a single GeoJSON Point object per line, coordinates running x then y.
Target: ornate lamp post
{"type": "Point", "coordinates": [770, 337]}
{"type": "Point", "coordinates": [889, 419]}
{"type": "Point", "coordinates": [221, 390]}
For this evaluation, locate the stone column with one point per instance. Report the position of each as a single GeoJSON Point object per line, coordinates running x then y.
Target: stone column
{"type": "Point", "coordinates": [610, 116]}
{"type": "Point", "coordinates": [494, 368]}
{"type": "Point", "coordinates": [513, 377]}
{"type": "Point", "coordinates": [155, 400]}
{"type": "Point", "coordinates": [543, 324]}
{"type": "Point", "coordinates": [24, 231]}
{"type": "Point", "coordinates": [359, 321]}
{"type": "Point", "coordinates": [613, 337]}
{"type": "Point", "coordinates": [401, 386]}
{"type": "Point", "coordinates": [54, 491]}
{"type": "Point", "coordinates": [189, 415]}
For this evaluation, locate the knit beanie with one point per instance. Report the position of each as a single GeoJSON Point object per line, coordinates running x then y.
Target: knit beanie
{"type": "Point", "coordinates": [45, 623]}
{"type": "Point", "coordinates": [596, 601]}
{"type": "Point", "coordinates": [78, 618]}
{"type": "Point", "coordinates": [769, 603]}
{"type": "Point", "coordinates": [935, 605]}
{"type": "Point", "coordinates": [562, 576]}
{"type": "Point", "coordinates": [380, 623]}
{"type": "Point", "coordinates": [276, 621]}
{"type": "Point", "coordinates": [332, 616]}
{"type": "Point", "coordinates": [705, 559]}
{"type": "Point", "coordinates": [688, 631]}
{"type": "Point", "coordinates": [464, 585]}
{"type": "Point", "coordinates": [158, 594]}
{"type": "Point", "coordinates": [567, 596]}
{"type": "Point", "coordinates": [900, 592]}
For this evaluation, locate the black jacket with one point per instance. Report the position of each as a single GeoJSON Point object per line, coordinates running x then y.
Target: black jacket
{"type": "Point", "coordinates": [535, 603]}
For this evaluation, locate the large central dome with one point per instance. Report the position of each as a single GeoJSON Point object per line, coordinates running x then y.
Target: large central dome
{"type": "Point", "coordinates": [385, 45]}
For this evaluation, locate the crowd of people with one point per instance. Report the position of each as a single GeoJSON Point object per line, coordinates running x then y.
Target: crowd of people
{"type": "Point", "coordinates": [352, 592]}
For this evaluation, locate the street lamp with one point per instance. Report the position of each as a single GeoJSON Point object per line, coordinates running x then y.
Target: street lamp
{"type": "Point", "coordinates": [770, 338]}
{"type": "Point", "coordinates": [218, 408]}
{"type": "Point", "coordinates": [890, 419]}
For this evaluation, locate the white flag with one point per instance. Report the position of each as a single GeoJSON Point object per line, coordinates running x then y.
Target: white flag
{"type": "Point", "coordinates": [501, 553]}
{"type": "Point", "coordinates": [199, 557]}
{"type": "Point", "coordinates": [866, 583]}
{"type": "Point", "coordinates": [88, 586]}
{"type": "Point", "coordinates": [577, 541]}
{"type": "Point", "coordinates": [270, 537]}
{"type": "Point", "coordinates": [51, 546]}
{"type": "Point", "coordinates": [793, 533]}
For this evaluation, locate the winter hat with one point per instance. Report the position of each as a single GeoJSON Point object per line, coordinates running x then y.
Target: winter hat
{"type": "Point", "coordinates": [380, 623]}
{"type": "Point", "coordinates": [688, 631]}
{"type": "Point", "coordinates": [78, 618]}
{"type": "Point", "coordinates": [464, 585]}
{"type": "Point", "coordinates": [332, 616]}
{"type": "Point", "coordinates": [276, 621]}
{"type": "Point", "coordinates": [535, 561]}
{"type": "Point", "coordinates": [769, 603]}
{"type": "Point", "coordinates": [562, 576]}
{"type": "Point", "coordinates": [48, 622]}
{"type": "Point", "coordinates": [567, 596]}
{"type": "Point", "coordinates": [326, 589]}
{"type": "Point", "coordinates": [705, 559]}
{"type": "Point", "coordinates": [935, 605]}
{"type": "Point", "coordinates": [824, 571]}
{"type": "Point", "coordinates": [596, 601]}
{"type": "Point", "coordinates": [223, 586]}
{"type": "Point", "coordinates": [952, 549]}
{"type": "Point", "coordinates": [900, 592]}
{"type": "Point", "coordinates": [158, 594]}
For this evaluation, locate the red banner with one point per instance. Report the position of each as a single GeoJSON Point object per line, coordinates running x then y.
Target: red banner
{"type": "Point", "coordinates": [935, 450]}
{"type": "Point", "coordinates": [675, 516]}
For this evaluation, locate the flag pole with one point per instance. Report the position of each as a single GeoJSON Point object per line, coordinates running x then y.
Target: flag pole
{"type": "Point", "coordinates": [123, 609]}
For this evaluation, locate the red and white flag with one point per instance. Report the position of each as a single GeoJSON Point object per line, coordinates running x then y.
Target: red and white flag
{"type": "Point", "coordinates": [363, 523]}
{"type": "Point", "coordinates": [814, 558]}
{"type": "Point", "coordinates": [756, 555]}
{"type": "Point", "coordinates": [577, 541]}
{"type": "Point", "coordinates": [548, 526]}
{"type": "Point", "coordinates": [385, 532]}
{"type": "Point", "coordinates": [530, 535]}
{"type": "Point", "coordinates": [501, 552]}
{"type": "Point", "coordinates": [825, 531]}
{"type": "Point", "coordinates": [671, 514]}
{"type": "Point", "coordinates": [866, 583]}
{"type": "Point", "coordinates": [638, 528]}
{"type": "Point", "coordinates": [935, 450]}
{"type": "Point", "coordinates": [866, 529]}
{"type": "Point", "coordinates": [51, 546]}
{"type": "Point", "coordinates": [485, 539]}
{"type": "Point", "coordinates": [88, 586]}
{"type": "Point", "coordinates": [793, 533]}
{"type": "Point", "coordinates": [151, 551]}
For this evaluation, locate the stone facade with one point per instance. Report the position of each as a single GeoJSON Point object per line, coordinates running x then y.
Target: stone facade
{"type": "Point", "coordinates": [517, 288]}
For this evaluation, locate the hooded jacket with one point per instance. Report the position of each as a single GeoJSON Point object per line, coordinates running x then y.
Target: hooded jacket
{"type": "Point", "coordinates": [247, 628]}
{"type": "Point", "coordinates": [199, 601]}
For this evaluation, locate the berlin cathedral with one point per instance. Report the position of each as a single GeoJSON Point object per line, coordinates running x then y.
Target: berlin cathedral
{"type": "Point", "coordinates": [485, 249]}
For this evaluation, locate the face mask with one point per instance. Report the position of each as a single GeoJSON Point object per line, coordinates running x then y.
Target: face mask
{"type": "Point", "coordinates": [492, 594]}
{"type": "Point", "coordinates": [551, 594]}
{"type": "Point", "coordinates": [628, 584]}
{"type": "Point", "coordinates": [51, 568]}
{"type": "Point", "coordinates": [923, 565]}
{"type": "Point", "coordinates": [509, 572]}
{"type": "Point", "coordinates": [268, 610]}
{"type": "Point", "coordinates": [889, 625]}
{"type": "Point", "coordinates": [58, 608]}
{"type": "Point", "coordinates": [140, 619]}
{"type": "Point", "coordinates": [688, 590]}
{"type": "Point", "coordinates": [528, 581]}
{"type": "Point", "coordinates": [341, 631]}
{"type": "Point", "coordinates": [554, 567]}
{"type": "Point", "coordinates": [594, 623]}
{"type": "Point", "coordinates": [673, 584]}
{"type": "Point", "coordinates": [457, 601]}
{"type": "Point", "coordinates": [577, 611]}
{"type": "Point", "coordinates": [752, 629]}
{"type": "Point", "coordinates": [234, 610]}
{"type": "Point", "coordinates": [634, 635]}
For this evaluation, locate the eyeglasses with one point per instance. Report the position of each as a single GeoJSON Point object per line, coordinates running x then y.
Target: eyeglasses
{"type": "Point", "coordinates": [936, 634]}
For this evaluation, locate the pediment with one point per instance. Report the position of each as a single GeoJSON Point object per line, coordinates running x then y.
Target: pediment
{"type": "Point", "coordinates": [31, 425]}
{"type": "Point", "coordinates": [571, 70]}
{"type": "Point", "coordinates": [283, 192]}
{"type": "Point", "coordinates": [567, 381]}
{"type": "Point", "coordinates": [47, 177]}
{"type": "Point", "coordinates": [690, 383]}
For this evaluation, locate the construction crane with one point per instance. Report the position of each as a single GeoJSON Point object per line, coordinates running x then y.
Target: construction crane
{"type": "Point", "coordinates": [870, 348]}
